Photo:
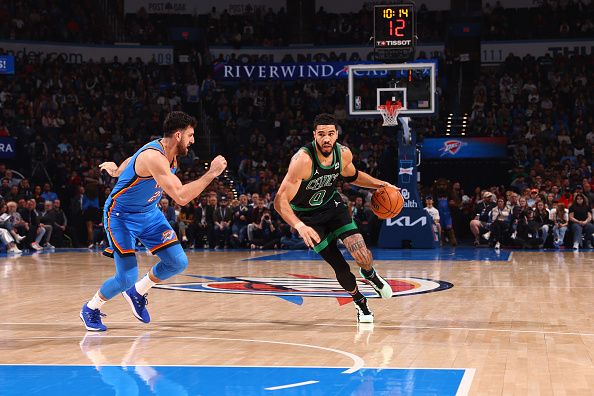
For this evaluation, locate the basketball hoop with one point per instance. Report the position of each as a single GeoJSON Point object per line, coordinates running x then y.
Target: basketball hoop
{"type": "Point", "coordinates": [390, 112]}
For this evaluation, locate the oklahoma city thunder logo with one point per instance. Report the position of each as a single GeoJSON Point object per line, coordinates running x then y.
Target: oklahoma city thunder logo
{"type": "Point", "coordinates": [294, 288]}
{"type": "Point", "coordinates": [167, 235]}
{"type": "Point", "coordinates": [452, 147]}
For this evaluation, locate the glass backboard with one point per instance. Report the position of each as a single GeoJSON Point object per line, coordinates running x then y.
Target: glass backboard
{"type": "Point", "coordinates": [413, 84]}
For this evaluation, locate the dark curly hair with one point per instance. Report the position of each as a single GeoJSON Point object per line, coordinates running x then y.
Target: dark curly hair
{"type": "Point", "coordinates": [177, 120]}
{"type": "Point", "coordinates": [325, 119]}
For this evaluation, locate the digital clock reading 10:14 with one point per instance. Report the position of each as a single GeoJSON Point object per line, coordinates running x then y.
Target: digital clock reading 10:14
{"type": "Point", "coordinates": [394, 26]}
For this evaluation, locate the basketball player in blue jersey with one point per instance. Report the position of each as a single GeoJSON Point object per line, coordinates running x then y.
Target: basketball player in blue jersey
{"type": "Point", "coordinates": [309, 201]}
{"type": "Point", "coordinates": [131, 212]}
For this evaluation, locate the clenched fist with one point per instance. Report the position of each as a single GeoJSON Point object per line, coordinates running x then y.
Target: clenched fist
{"type": "Point", "coordinates": [218, 165]}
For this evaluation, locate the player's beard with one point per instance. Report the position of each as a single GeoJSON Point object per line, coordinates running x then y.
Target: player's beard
{"type": "Point", "coordinates": [322, 151]}
{"type": "Point", "coordinates": [182, 148]}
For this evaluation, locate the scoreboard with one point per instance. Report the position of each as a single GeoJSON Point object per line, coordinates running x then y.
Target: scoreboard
{"type": "Point", "coordinates": [394, 26]}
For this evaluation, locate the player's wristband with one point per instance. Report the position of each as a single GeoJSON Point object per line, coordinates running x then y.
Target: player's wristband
{"type": "Point", "coordinates": [299, 225]}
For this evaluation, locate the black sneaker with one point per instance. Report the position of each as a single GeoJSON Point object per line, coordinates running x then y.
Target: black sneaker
{"type": "Point", "coordinates": [364, 314]}
{"type": "Point", "coordinates": [379, 284]}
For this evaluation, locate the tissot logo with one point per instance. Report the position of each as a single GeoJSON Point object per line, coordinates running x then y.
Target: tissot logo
{"type": "Point", "coordinates": [302, 286]}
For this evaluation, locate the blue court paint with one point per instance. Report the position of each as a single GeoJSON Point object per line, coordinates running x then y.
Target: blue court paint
{"type": "Point", "coordinates": [221, 380]}
{"type": "Point", "coordinates": [449, 254]}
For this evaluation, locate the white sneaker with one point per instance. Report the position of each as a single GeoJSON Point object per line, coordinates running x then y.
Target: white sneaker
{"type": "Point", "coordinates": [487, 235]}
{"type": "Point", "coordinates": [576, 246]}
{"type": "Point", "coordinates": [36, 246]}
{"type": "Point", "coordinates": [14, 250]}
{"type": "Point", "coordinates": [184, 239]}
{"type": "Point", "coordinates": [379, 284]}
{"type": "Point", "coordinates": [497, 246]}
{"type": "Point", "coordinates": [48, 246]}
{"type": "Point", "coordinates": [19, 238]}
{"type": "Point", "coordinates": [364, 314]}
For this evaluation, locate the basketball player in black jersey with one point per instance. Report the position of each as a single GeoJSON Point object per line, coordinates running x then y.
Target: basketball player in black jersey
{"type": "Point", "coordinates": [309, 201]}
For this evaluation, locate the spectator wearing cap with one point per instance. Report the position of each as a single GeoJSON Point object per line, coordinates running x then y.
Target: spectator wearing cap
{"type": "Point", "coordinates": [481, 224]}
{"type": "Point", "coordinates": [531, 200]}
{"type": "Point", "coordinates": [223, 216]}
{"type": "Point", "coordinates": [434, 213]}
{"type": "Point", "coordinates": [580, 220]}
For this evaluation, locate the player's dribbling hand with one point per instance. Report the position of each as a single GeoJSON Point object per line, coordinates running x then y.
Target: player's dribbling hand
{"type": "Point", "coordinates": [309, 235]}
{"type": "Point", "coordinates": [218, 165]}
{"type": "Point", "coordinates": [386, 184]}
{"type": "Point", "coordinates": [110, 167]}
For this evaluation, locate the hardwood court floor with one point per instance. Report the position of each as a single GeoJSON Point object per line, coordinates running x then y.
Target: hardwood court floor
{"type": "Point", "coordinates": [522, 326]}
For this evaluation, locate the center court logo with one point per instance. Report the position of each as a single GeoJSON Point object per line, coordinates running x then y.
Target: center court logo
{"type": "Point", "coordinates": [297, 286]}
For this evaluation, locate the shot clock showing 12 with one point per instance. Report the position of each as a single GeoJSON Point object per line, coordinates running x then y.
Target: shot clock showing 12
{"type": "Point", "coordinates": [394, 26]}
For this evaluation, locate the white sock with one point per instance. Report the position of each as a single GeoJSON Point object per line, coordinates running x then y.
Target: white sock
{"type": "Point", "coordinates": [143, 285]}
{"type": "Point", "coordinates": [96, 302]}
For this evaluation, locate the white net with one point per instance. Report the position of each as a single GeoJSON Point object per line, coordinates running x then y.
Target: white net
{"type": "Point", "coordinates": [390, 112]}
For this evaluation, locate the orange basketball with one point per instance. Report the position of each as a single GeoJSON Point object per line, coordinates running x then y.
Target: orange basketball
{"type": "Point", "coordinates": [387, 202]}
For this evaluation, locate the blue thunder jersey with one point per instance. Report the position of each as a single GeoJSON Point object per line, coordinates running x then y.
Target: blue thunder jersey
{"type": "Point", "coordinates": [135, 194]}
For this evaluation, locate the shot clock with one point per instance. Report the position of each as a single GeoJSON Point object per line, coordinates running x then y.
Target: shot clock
{"type": "Point", "coordinates": [394, 26]}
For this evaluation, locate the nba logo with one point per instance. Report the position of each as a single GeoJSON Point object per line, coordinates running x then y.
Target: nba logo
{"type": "Point", "coordinates": [357, 103]}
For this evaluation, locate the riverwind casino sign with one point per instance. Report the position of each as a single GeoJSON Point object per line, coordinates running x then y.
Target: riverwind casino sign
{"type": "Point", "coordinates": [295, 71]}
{"type": "Point", "coordinates": [291, 63]}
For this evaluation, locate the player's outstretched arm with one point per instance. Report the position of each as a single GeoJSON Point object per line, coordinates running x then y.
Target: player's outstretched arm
{"type": "Point", "coordinates": [299, 169]}
{"type": "Point", "coordinates": [157, 165]}
{"type": "Point", "coordinates": [356, 177]}
{"type": "Point", "coordinates": [112, 169]}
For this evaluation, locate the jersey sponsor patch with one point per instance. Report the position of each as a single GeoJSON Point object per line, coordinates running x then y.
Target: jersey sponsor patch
{"type": "Point", "coordinates": [299, 286]}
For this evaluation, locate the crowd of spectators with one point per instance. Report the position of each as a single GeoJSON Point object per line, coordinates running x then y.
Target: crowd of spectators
{"type": "Point", "coordinates": [70, 118]}
{"type": "Point", "coordinates": [81, 21]}
{"type": "Point", "coordinates": [242, 25]}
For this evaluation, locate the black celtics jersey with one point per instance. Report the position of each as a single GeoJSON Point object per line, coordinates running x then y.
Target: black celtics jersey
{"type": "Point", "coordinates": [314, 192]}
